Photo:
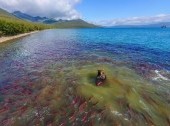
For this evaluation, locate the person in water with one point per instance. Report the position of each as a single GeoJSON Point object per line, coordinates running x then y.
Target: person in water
{"type": "Point", "coordinates": [101, 77]}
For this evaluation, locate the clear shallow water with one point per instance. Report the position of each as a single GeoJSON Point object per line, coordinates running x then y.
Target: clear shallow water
{"type": "Point", "coordinates": [52, 69]}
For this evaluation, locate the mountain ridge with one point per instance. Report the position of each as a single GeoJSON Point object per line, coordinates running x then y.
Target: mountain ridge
{"type": "Point", "coordinates": [75, 23]}
{"type": "Point", "coordinates": [6, 14]}
{"type": "Point", "coordinates": [28, 17]}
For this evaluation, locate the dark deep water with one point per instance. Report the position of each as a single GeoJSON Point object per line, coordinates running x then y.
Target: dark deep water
{"type": "Point", "coordinates": [46, 72]}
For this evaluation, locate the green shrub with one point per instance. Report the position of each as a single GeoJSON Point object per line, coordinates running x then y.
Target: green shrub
{"type": "Point", "coordinates": [10, 26]}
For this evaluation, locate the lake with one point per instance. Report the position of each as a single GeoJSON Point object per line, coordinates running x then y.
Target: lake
{"type": "Point", "coordinates": [48, 78]}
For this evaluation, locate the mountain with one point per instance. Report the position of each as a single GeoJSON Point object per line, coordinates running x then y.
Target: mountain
{"type": "Point", "coordinates": [77, 23]}
{"type": "Point", "coordinates": [154, 25]}
{"type": "Point", "coordinates": [49, 21]}
{"type": "Point", "coordinates": [27, 17]}
{"type": "Point", "coordinates": [5, 14]}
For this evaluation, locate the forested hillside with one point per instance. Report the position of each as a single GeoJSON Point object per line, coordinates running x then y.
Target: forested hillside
{"type": "Point", "coordinates": [10, 25]}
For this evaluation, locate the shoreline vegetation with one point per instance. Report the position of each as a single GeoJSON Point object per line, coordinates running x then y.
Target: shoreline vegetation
{"type": "Point", "coordinates": [11, 26]}
{"type": "Point", "coordinates": [8, 38]}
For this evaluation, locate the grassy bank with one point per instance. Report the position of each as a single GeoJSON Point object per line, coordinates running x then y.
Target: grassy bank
{"type": "Point", "coordinates": [10, 26]}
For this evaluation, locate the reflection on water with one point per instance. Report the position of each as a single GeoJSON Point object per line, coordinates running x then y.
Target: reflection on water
{"type": "Point", "coordinates": [48, 78]}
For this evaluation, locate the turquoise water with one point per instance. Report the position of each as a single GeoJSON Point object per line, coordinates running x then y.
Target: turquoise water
{"type": "Point", "coordinates": [146, 47]}
{"type": "Point", "coordinates": [54, 59]}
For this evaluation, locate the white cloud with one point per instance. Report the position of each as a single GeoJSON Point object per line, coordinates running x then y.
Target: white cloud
{"type": "Point", "coordinates": [64, 9]}
{"type": "Point", "coordinates": [136, 20]}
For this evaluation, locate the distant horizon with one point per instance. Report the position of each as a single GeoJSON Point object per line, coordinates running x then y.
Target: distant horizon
{"type": "Point", "coordinates": [105, 13]}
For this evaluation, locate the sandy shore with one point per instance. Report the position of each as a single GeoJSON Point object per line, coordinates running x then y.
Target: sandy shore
{"type": "Point", "coordinates": [4, 39]}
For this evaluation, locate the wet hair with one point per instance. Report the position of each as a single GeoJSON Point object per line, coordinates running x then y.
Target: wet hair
{"type": "Point", "coordinates": [99, 72]}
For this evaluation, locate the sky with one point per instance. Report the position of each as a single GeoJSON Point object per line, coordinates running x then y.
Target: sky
{"type": "Point", "coordinates": [103, 12]}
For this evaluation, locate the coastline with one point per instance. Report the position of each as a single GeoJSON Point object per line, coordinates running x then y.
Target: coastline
{"type": "Point", "coordinates": [7, 38]}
